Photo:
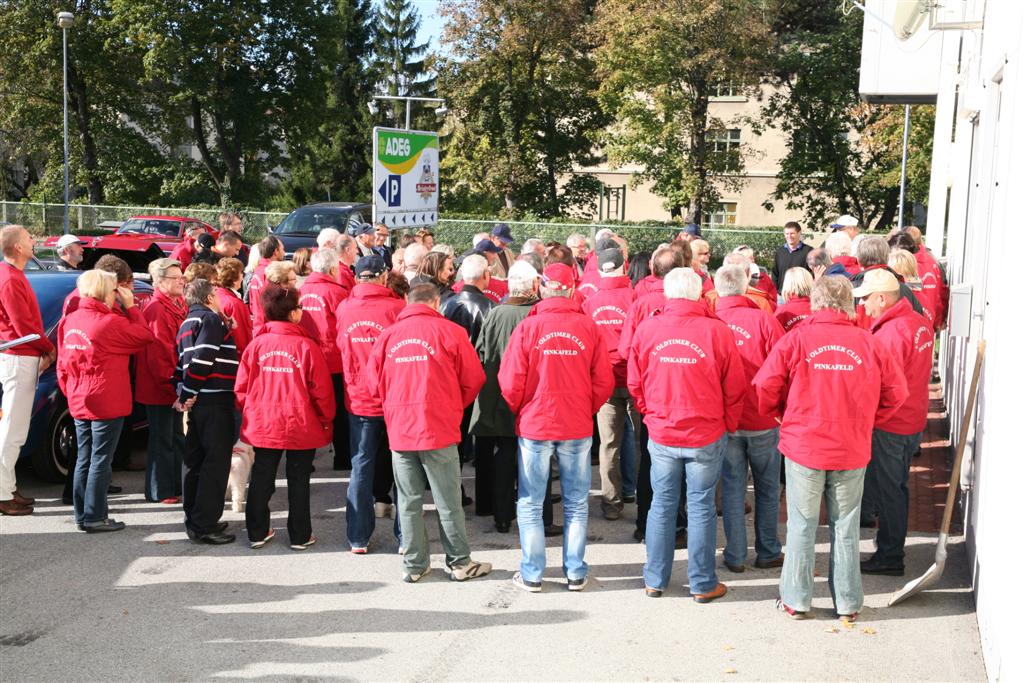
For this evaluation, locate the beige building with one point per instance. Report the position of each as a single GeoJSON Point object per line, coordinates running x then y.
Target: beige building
{"type": "Point", "coordinates": [762, 155]}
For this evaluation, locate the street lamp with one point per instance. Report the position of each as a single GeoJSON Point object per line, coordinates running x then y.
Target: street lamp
{"type": "Point", "coordinates": [441, 110]}
{"type": "Point", "coordinates": [65, 20]}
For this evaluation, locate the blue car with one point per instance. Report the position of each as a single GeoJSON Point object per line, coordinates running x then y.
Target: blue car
{"type": "Point", "coordinates": [300, 228]}
{"type": "Point", "coordinates": [51, 434]}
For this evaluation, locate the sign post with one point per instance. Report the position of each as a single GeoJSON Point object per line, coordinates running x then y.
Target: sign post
{"type": "Point", "coordinates": [405, 182]}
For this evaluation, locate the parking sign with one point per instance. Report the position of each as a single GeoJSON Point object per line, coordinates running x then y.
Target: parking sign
{"type": "Point", "coordinates": [405, 182]}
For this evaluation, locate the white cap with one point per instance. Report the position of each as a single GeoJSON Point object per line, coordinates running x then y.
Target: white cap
{"type": "Point", "coordinates": [68, 240]}
{"type": "Point", "coordinates": [522, 269]}
{"type": "Point", "coordinates": [844, 221]}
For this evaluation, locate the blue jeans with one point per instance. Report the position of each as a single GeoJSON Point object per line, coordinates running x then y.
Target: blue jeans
{"type": "Point", "coordinates": [364, 439]}
{"type": "Point", "coordinates": [574, 475]}
{"type": "Point", "coordinates": [761, 451]}
{"type": "Point", "coordinates": [97, 440]}
{"type": "Point", "coordinates": [165, 453]}
{"type": "Point", "coordinates": [627, 459]}
{"type": "Point", "coordinates": [703, 466]}
{"type": "Point", "coordinates": [842, 490]}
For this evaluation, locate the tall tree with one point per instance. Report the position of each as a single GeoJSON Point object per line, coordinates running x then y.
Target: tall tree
{"type": "Point", "coordinates": [520, 84]}
{"type": "Point", "coordinates": [843, 155]}
{"type": "Point", "coordinates": [401, 65]}
{"type": "Point", "coordinates": [659, 62]}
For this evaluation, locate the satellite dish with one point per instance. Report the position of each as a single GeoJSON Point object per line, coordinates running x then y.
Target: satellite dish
{"type": "Point", "coordinates": [909, 16]}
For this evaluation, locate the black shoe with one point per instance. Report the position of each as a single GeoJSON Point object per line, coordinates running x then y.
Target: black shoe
{"type": "Point", "coordinates": [638, 535]}
{"type": "Point", "coordinates": [217, 528]}
{"type": "Point", "coordinates": [466, 501]}
{"type": "Point", "coordinates": [102, 527]}
{"type": "Point", "coordinates": [114, 489]}
{"type": "Point", "coordinates": [553, 530]}
{"type": "Point", "coordinates": [556, 498]}
{"type": "Point", "coordinates": [503, 527]}
{"type": "Point", "coordinates": [871, 566]}
{"type": "Point", "coordinates": [216, 538]}
{"type": "Point", "coordinates": [629, 500]}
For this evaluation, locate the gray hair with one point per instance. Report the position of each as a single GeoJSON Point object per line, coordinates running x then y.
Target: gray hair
{"type": "Point", "coordinates": [414, 254]}
{"type": "Point", "coordinates": [575, 239]}
{"type": "Point", "coordinates": [735, 258]}
{"type": "Point", "coordinates": [603, 234]}
{"type": "Point", "coordinates": [324, 260]}
{"type": "Point", "coordinates": [838, 244]}
{"type": "Point", "coordinates": [817, 257]}
{"type": "Point", "coordinates": [731, 280]}
{"type": "Point", "coordinates": [530, 245]}
{"type": "Point", "coordinates": [797, 282]}
{"type": "Point", "coordinates": [473, 268]}
{"type": "Point", "coordinates": [873, 251]}
{"type": "Point", "coordinates": [521, 283]}
{"type": "Point", "coordinates": [328, 237]}
{"type": "Point", "coordinates": [158, 268]}
{"type": "Point", "coordinates": [198, 292]}
{"type": "Point", "coordinates": [546, 293]}
{"type": "Point", "coordinates": [682, 283]}
{"type": "Point", "coordinates": [480, 237]}
{"type": "Point", "coordinates": [833, 292]}
{"type": "Point", "coordinates": [534, 259]}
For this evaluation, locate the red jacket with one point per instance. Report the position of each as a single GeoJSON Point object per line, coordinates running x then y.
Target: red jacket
{"type": "Point", "coordinates": [589, 284]}
{"type": "Point", "coordinates": [319, 297]}
{"type": "Point", "coordinates": [644, 307]}
{"type": "Point", "coordinates": [284, 390]}
{"type": "Point", "coordinates": [496, 289]}
{"type": "Point", "coordinates": [686, 376]}
{"type": "Point", "coordinates": [791, 313]}
{"type": "Point", "coordinates": [96, 344]}
{"type": "Point", "coordinates": [908, 336]}
{"type": "Point", "coordinates": [19, 313]}
{"type": "Point", "coordinates": [832, 381]}
{"type": "Point", "coordinates": [154, 369]}
{"type": "Point", "coordinates": [256, 285]}
{"type": "Point", "coordinates": [756, 332]}
{"type": "Point", "coordinates": [766, 287]}
{"type": "Point", "coordinates": [849, 263]}
{"type": "Point", "coordinates": [608, 308]}
{"type": "Point", "coordinates": [232, 306]}
{"type": "Point", "coordinates": [556, 372]}
{"type": "Point", "coordinates": [184, 252]}
{"type": "Point", "coordinates": [346, 278]}
{"type": "Point", "coordinates": [361, 318]}
{"type": "Point", "coordinates": [424, 372]}
{"type": "Point", "coordinates": [934, 285]}
{"type": "Point", "coordinates": [648, 285]}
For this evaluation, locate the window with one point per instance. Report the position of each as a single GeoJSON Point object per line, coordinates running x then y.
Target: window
{"type": "Point", "coordinates": [724, 141]}
{"type": "Point", "coordinates": [723, 216]}
{"type": "Point", "coordinates": [727, 89]}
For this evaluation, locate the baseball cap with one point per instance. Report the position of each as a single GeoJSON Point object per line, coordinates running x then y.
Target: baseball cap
{"type": "Point", "coordinates": [604, 244]}
{"type": "Point", "coordinates": [68, 240]}
{"type": "Point", "coordinates": [205, 240]}
{"type": "Point", "coordinates": [692, 229]}
{"type": "Point", "coordinates": [877, 280]}
{"type": "Point", "coordinates": [369, 267]}
{"type": "Point", "coordinates": [559, 276]}
{"type": "Point", "coordinates": [609, 260]}
{"type": "Point", "coordinates": [503, 233]}
{"type": "Point", "coordinates": [362, 229]}
{"type": "Point", "coordinates": [522, 270]}
{"type": "Point", "coordinates": [485, 246]}
{"type": "Point", "coordinates": [844, 221]}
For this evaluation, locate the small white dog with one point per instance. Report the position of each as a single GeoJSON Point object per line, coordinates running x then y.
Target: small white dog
{"type": "Point", "coordinates": [242, 456]}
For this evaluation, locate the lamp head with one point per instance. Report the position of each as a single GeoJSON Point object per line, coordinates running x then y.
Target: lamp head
{"type": "Point", "coordinates": [65, 19]}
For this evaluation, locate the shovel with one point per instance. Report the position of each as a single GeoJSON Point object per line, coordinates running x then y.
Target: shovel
{"type": "Point", "coordinates": [18, 342]}
{"type": "Point", "coordinates": [935, 571]}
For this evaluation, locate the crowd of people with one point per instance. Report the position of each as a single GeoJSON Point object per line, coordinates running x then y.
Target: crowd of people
{"type": "Point", "coordinates": [411, 360]}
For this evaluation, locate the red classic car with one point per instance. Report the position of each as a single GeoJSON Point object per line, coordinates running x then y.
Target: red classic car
{"type": "Point", "coordinates": [139, 240]}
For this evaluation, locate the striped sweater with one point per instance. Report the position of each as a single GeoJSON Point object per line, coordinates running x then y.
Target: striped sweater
{"type": "Point", "coordinates": [207, 357]}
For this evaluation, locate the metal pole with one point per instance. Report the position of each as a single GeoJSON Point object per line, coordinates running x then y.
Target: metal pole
{"type": "Point", "coordinates": [408, 109]}
{"type": "Point", "coordinates": [903, 163]}
{"type": "Point", "coordinates": [66, 173]}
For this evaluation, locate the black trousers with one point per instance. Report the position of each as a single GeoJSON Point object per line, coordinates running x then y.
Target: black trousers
{"type": "Point", "coordinates": [342, 455]}
{"type": "Point", "coordinates": [383, 474]}
{"type": "Point", "coordinates": [497, 470]}
{"type": "Point", "coordinates": [644, 492]}
{"type": "Point", "coordinates": [298, 467]}
{"type": "Point", "coordinates": [207, 460]}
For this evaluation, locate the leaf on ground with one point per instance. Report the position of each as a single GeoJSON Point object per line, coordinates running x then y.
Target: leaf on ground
{"type": "Point", "coordinates": [162, 542]}
{"type": "Point", "coordinates": [729, 647]}
{"type": "Point", "coordinates": [124, 612]}
{"type": "Point", "coordinates": [832, 629]}
{"type": "Point", "coordinates": [847, 623]}
{"type": "Point", "coordinates": [730, 671]}
{"type": "Point", "coordinates": [870, 631]}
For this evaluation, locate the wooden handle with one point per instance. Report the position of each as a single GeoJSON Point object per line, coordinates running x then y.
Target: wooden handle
{"type": "Point", "coordinates": [961, 446]}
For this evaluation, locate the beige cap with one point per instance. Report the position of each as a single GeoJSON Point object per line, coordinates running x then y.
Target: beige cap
{"type": "Point", "coordinates": [878, 280]}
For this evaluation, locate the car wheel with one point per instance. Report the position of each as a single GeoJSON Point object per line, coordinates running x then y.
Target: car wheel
{"type": "Point", "coordinates": [50, 461]}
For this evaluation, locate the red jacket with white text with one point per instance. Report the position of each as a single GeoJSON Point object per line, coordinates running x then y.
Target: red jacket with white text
{"type": "Point", "coordinates": [320, 297]}
{"type": "Point", "coordinates": [556, 372]}
{"type": "Point", "coordinates": [644, 307]}
{"type": "Point", "coordinates": [908, 336]}
{"type": "Point", "coordinates": [284, 390]}
{"type": "Point", "coordinates": [94, 345]}
{"type": "Point", "coordinates": [791, 313]}
{"type": "Point", "coordinates": [361, 318]}
{"type": "Point", "coordinates": [831, 381]}
{"type": "Point", "coordinates": [933, 282]}
{"type": "Point", "coordinates": [608, 308]}
{"type": "Point", "coordinates": [756, 332]}
{"type": "Point", "coordinates": [686, 376]}
{"type": "Point", "coordinates": [424, 372]}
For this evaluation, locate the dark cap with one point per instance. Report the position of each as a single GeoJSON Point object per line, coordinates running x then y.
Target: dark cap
{"type": "Point", "coordinates": [692, 229]}
{"type": "Point", "coordinates": [205, 240]}
{"type": "Point", "coordinates": [503, 233]}
{"type": "Point", "coordinates": [609, 259]}
{"type": "Point", "coordinates": [362, 229]}
{"type": "Point", "coordinates": [369, 267]}
{"type": "Point", "coordinates": [485, 246]}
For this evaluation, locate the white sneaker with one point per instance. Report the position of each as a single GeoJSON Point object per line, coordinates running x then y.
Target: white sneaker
{"type": "Point", "coordinates": [409, 577]}
{"type": "Point", "coordinates": [529, 586]}
{"type": "Point", "coordinates": [303, 546]}
{"type": "Point", "coordinates": [470, 570]}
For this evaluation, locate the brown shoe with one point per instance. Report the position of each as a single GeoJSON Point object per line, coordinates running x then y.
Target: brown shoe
{"type": "Point", "coordinates": [22, 500]}
{"type": "Point", "coordinates": [713, 594]}
{"type": "Point", "coordinates": [770, 564]}
{"type": "Point", "coordinates": [14, 509]}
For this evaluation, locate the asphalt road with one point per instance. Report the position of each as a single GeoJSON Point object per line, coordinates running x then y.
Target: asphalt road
{"type": "Point", "coordinates": [147, 604]}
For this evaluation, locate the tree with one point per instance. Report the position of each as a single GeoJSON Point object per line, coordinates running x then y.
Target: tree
{"type": "Point", "coordinates": [520, 85]}
{"type": "Point", "coordinates": [844, 154]}
{"type": "Point", "coordinates": [400, 65]}
{"type": "Point", "coordinates": [659, 62]}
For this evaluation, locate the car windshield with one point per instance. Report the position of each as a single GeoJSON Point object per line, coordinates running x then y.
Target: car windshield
{"type": "Point", "coordinates": [310, 221]}
{"type": "Point", "coordinates": [150, 226]}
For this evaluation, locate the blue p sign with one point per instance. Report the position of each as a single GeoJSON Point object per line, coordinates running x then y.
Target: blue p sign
{"type": "Point", "coordinates": [391, 190]}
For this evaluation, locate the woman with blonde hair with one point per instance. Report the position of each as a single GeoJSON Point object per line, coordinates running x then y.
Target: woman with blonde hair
{"type": "Point", "coordinates": [303, 267]}
{"type": "Point", "coordinates": [95, 344]}
{"type": "Point", "coordinates": [796, 297]}
{"type": "Point", "coordinates": [904, 264]}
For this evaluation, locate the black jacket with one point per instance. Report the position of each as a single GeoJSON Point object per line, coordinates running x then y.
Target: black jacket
{"type": "Point", "coordinates": [784, 260]}
{"type": "Point", "coordinates": [468, 308]}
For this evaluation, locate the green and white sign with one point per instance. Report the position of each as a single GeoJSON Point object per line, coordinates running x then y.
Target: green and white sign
{"type": "Point", "coordinates": [405, 168]}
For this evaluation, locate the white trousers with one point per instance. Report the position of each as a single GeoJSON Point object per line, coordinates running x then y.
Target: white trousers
{"type": "Point", "coordinates": [19, 376]}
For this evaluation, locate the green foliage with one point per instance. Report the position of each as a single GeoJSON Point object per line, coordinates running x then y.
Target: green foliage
{"type": "Point", "coordinates": [401, 66]}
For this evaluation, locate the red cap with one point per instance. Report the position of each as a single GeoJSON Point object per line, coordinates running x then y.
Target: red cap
{"type": "Point", "coordinates": [559, 276]}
